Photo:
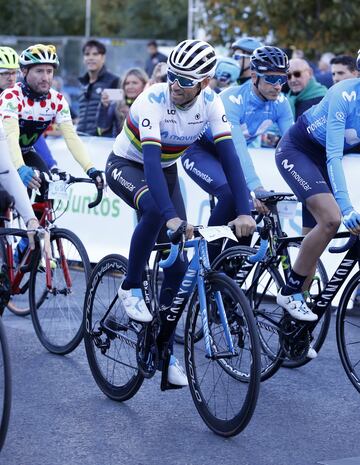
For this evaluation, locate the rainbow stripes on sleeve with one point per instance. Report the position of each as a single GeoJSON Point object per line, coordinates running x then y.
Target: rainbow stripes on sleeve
{"type": "Point", "coordinates": [222, 136]}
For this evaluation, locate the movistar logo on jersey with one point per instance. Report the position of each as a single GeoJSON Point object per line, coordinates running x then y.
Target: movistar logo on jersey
{"type": "Point", "coordinates": [26, 141]}
{"type": "Point", "coordinates": [12, 106]}
{"type": "Point", "coordinates": [316, 124]}
{"type": "Point", "coordinates": [237, 100]}
{"type": "Point", "coordinates": [116, 174]}
{"type": "Point", "coordinates": [290, 167]}
{"type": "Point", "coordinates": [349, 97]}
{"type": "Point", "coordinates": [209, 96]}
{"type": "Point", "coordinates": [286, 164]}
{"type": "Point", "coordinates": [189, 165]}
{"type": "Point", "coordinates": [156, 98]}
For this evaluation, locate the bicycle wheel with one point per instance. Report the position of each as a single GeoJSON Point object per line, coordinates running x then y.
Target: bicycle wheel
{"type": "Point", "coordinates": [224, 403]}
{"type": "Point", "coordinates": [260, 284]}
{"type": "Point", "coordinates": [57, 308]}
{"type": "Point", "coordinates": [18, 303]}
{"type": "Point", "coordinates": [348, 331]}
{"type": "Point", "coordinates": [110, 346]}
{"type": "Point", "coordinates": [317, 284]}
{"type": "Point", "coordinates": [5, 385]}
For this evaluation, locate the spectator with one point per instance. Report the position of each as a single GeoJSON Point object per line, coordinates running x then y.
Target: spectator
{"type": "Point", "coordinates": [112, 114]}
{"type": "Point", "coordinates": [226, 73]}
{"type": "Point", "coordinates": [323, 74]}
{"type": "Point", "coordinates": [94, 81]}
{"type": "Point", "coordinates": [159, 74]}
{"type": "Point", "coordinates": [343, 67]}
{"type": "Point", "coordinates": [155, 57]}
{"type": "Point", "coordinates": [305, 91]}
{"type": "Point", "coordinates": [241, 52]}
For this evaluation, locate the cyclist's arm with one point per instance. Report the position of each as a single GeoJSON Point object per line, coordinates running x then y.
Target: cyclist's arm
{"type": "Point", "coordinates": [11, 182]}
{"type": "Point", "coordinates": [75, 145]}
{"type": "Point", "coordinates": [285, 117]}
{"type": "Point", "coordinates": [156, 180]}
{"type": "Point", "coordinates": [234, 174]}
{"type": "Point", "coordinates": [233, 115]}
{"type": "Point", "coordinates": [230, 162]}
{"type": "Point", "coordinates": [335, 131]}
{"type": "Point", "coordinates": [12, 131]}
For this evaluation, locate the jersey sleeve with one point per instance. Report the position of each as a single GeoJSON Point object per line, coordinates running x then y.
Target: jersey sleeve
{"type": "Point", "coordinates": [149, 108]}
{"type": "Point", "coordinates": [75, 145]}
{"type": "Point", "coordinates": [11, 181]}
{"type": "Point", "coordinates": [10, 104]}
{"type": "Point", "coordinates": [285, 115]}
{"type": "Point", "coordinates": [233, 109]}
{"type": "Point", "coordinates": [335, 132]}
{"type": "Point", "coordinates": [63, 114]}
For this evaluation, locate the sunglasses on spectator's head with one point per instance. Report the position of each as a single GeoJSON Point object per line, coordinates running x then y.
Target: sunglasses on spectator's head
{"type": "Point", "coordinates": [184, 82]}
{"type": "Point", "coordinates": [296, 74]}
{"type": "Point", "coordinates": [274, 79]}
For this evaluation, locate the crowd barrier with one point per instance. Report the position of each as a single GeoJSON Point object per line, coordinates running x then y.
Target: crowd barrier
{"type": "Point", "coordinates": [108, 227]}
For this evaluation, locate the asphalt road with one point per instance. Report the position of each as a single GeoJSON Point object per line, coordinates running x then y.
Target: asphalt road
{"type": "Point", "coordinates": [59, 416]}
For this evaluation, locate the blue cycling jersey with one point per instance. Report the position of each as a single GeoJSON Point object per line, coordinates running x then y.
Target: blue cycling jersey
{"type": "Point", "coordinates": [249, 117]}
{"type": "Point", "coordinates": [335, 124]}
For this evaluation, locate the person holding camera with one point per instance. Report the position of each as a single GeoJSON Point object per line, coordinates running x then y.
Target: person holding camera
{"type": "Point", "coordinates": [115, 103]}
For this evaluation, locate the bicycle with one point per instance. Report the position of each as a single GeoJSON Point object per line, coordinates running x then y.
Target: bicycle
{"type": "Point", "coordinates": [293, 337]}
{"type": "Point", "coordinates": [54, 284]}
{"type": "Point", "coordinates": [268, 285]}
{"type": "Point", "coordinates": [262, 281]}
{"type": "Point", "coordinates": [122, 353]}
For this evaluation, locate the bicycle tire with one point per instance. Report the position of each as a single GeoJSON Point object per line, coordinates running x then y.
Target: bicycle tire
{"type": "Point", "coordinates": [231, 262]}
{"type": "Point", "coordinates": [244, 366]}
{"type": "Point", "coordinates": [322, 328]}
{"type": "Point", "coordinates": [5, 385]}
{"type": "Point", "coordinates": [107, 370]}
{"type": "Point", "coordinates": [18, 303]}
{"type": "Point", "coordinates": [57, 313]}
{"type": "Point", "coordinates": [347, 330]}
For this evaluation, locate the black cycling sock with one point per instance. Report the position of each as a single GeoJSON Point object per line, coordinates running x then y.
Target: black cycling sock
{"type": "Point", "coordinates": [294, 284]}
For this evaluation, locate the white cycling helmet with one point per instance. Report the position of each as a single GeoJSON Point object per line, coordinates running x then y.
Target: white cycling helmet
{"type": "Point", "coordinates": [39, 54]}
{"type": "Point", "coordinates": [195, 59]}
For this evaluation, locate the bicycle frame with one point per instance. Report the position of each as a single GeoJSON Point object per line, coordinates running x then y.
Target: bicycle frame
{"type": "Point", "coordinates": [196, 272]}
{"type": "Point", "coordinates": [326, 296]}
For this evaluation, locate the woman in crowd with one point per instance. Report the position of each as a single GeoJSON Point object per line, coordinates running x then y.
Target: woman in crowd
{"type": "Point", "coordinates": [112, 113]}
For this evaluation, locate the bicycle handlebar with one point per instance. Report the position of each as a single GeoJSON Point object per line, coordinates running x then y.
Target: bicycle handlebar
{"type": "Point", "coordinates": [69, 179]}
{"type": "Point", "coordinates": [343, 248]}
{"type": "Point", "coordinates": [174, 249]}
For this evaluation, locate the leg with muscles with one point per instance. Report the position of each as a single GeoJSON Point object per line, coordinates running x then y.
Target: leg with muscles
{"type": "Point", "coordinates": [326, 212]}
{"type": "Point", "coordinates": [309, 181]}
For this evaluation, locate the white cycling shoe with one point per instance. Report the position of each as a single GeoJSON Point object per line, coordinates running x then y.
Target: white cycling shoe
{"type": "Point", "coordinates": [134, 305]}
{"type": "Point", "coordinates": [176, 374]}
{"type": "Point", "coordinates": [296, 306]}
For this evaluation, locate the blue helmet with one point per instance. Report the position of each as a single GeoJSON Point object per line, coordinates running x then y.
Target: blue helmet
{"type": "Point", "coordinates": [269, 58]}
{"type": "Point", "coordinates": [227, 70]}
{"type": "Point", "coordinates": [247, 44]}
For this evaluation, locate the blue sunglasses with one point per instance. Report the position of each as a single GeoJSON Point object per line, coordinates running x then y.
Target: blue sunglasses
{"type": "Point", "coordinates": [274, 79]}
{"type": "Point", "coordinates": [184, 82]}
